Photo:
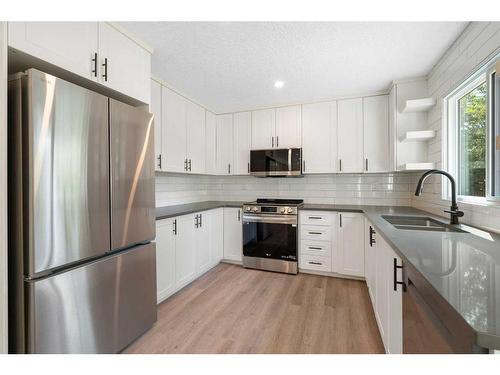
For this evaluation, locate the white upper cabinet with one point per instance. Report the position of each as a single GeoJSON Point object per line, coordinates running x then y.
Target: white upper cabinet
{"type": "Point", "coordinates": [69, 45]}
{"type": "Point", "coordinates": [288, 127]}
{"type": "Point", "coordinates": [155, 109]}
{"type": "Point", "coordinates": [242, 134]}
{"type": "Point", "coordinates": [92, 50]}
{"type": "Point", "coordinates": [319, 137]}
{"type": "Point", "coordinates": [125, 66]}
{"type": "Point", "coordinates": [195, 127]}
{"type": "Point", "coordinates": [263, 129]}
{"type": "Point", "coordinates": [210, 143]}
{"type": "Point", "coordinates": [173, 131]}
{"type": "Point", "coordinates": [225, 144]}
{"type": "Point", "coordinates": [376, 133]}
{"type": "Point", "coordinates": [350, 135]}
{"type": "Point", "coordinates": [350, 252]}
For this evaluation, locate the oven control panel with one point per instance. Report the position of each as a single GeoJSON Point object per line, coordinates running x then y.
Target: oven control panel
{"type": "Point", "coordinates": [280, 210]}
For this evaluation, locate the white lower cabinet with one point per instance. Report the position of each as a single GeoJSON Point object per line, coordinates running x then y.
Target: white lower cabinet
{"type": "Point", "coordinates": [187, 247]}
{"type": "Point", "coordinates": [185, 251]}
{"type": "Point", "coordinates": [316, 236]}
{"type": "Point", "coordinates": [165, 258]}
{"type": "Point", "coordinates": [350, 254]}
{"type": "Point", "coordinates": [233, 234]}
{"type": "Point", "coordinates": [387, 302]}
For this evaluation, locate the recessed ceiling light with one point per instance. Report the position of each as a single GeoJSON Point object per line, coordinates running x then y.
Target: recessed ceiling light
{"type": "Point", "coordinates": [279, 84]}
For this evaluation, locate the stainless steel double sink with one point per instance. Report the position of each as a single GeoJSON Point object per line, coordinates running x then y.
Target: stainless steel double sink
{"type": "Point", "coordinates": [420, 223]}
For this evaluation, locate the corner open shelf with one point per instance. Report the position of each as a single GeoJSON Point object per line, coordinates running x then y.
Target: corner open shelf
{"type": "Point", "coordinates": [419, 105]}
{"type": "Point", "coordinates": [409, 167]}
{"type": "Point", "coordinates": [418, 136]}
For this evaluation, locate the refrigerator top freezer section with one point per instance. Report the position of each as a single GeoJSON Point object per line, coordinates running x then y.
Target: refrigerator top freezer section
{"type": "Point", "coordinates": [66, 171]}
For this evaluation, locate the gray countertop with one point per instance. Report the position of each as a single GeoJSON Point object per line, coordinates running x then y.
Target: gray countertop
{"type": "Point", "coordinates": [189, 208]}
{"type": "Point", "coordinates": [464, 268]}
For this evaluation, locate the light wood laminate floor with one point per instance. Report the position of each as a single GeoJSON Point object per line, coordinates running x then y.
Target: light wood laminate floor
{"type": "Point", "coordinates": [235, 310]}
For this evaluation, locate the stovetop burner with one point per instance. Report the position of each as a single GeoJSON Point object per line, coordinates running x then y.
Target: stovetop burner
{"type": "Point", "coordinates": [287, 202]}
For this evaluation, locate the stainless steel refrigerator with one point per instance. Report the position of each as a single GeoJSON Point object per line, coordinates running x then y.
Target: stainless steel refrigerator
{"type": "Point", "coordinates": [82, 268]}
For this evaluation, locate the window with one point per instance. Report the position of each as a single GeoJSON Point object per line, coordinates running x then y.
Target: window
{"type": "Point", "coordinates": [473, 140]}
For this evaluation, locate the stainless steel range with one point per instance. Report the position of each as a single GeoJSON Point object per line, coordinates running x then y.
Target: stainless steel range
{"type": "Point", "coordinates": [270, 234]}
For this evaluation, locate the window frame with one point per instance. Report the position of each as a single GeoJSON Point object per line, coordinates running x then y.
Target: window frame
{"type": "Point", "coordinates": [450, 139]}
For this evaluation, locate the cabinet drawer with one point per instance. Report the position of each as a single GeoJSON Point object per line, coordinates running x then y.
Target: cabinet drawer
{"type": "Point", "coordinates": [315, 263]}
{"type": "Point", "coordinates": [316, 218]}
{"type": "Point", "coordinates": [316, 248]}
{"type": "Point", "coordinates": [312, 232]}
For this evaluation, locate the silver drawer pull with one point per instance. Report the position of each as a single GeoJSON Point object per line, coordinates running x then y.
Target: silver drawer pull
{"type": "Point", "coordinates": [316, 263]}
{"type": "Point", "coordinates": [315, 217]}
{"type": "Point", "coordinates": [315, 233]}
{"type": "Point", "coordinates": [315, 248]}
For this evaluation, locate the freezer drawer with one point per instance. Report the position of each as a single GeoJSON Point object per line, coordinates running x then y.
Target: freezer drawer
{"type": "Point", "coordinates": [132, 175]}
{"type": "Point", "coordinates": [100, 307]}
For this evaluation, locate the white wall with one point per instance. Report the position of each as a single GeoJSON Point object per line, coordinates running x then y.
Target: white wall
{"type": "Point", "coordinates": [3, 187]}
{"type": "Point", "coordinates": [372, 189]}
{"type": "Point", "coordinates": [478, 41]}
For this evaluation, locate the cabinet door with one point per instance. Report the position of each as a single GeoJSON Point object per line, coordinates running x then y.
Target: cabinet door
{"type": "Point", "coordinates": [215, 221]}
{"type": "Point", "coordinates": [155, 109]}
{"type": "Point", "coordinates": [382, 291]}
{"type": "Point", "coordinates": [376, 133]}
{"type": "Point", "coordinates": [350, 135]}
{"type": "Point", "coordinates": [68, 45]}
{"type": "Point", "coordinates": [185, 263]}
{"type": "Point", "coordinates": [395, 309]}
{"type": "Point", "coordinates": [233, 234]}
{"type": "Point", "coordinates": [263, 129]}
{"type": "Point", "coordinates": [210, 143]}
{"type": "Point", "coordinates": [370, 260]}
{"type": "Point", "coordinates": [242, 133]}
{"type": "Point", "coordinates": [225, 144]}
{"type": "Point", "coordinates": [165, 258]}
{"type": "Point", "coordinates": [125, 66]}
{"type": "Point", "coordinates": [288, 127]}
{"type": "Point", "coordinates": [319, 137]}
{"type": "Point", "coordinates": [202, 242]}
{"type": "Point", "coordinates": [195, 125]}
{"type": "Point", "coordinates": [350, 258]}
{"type": "Point", "coordinates": [173, 109]}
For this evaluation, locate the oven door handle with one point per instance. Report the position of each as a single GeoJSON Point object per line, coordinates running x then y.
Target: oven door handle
{"type": "Point", "coordinates": [270, 219]}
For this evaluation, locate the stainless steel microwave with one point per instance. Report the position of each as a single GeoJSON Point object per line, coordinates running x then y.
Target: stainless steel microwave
{"type": "Point", "coordinates": [284, 162]}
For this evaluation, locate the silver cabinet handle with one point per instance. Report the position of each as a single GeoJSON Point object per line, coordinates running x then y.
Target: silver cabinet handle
{"type": "Point", "coordinates": [366, 164]}
{"type": "Point", "coordinates": [277, 141]}
{"type": "Point", "coordinates": [340, 164]}
{"type": "Point", "coordinates": [94, 62]}
{"type": "Point", "coordinates": [316, 263]}
{"type": "Point", "coordinates": [315, 233]}
{"type": "Point", "coordinates": [229, 168]}
{"type": "Point", "coordinates": [340, 220]}
{"type": "Point", "coordinates": [105, 65]}
{"type": "Point", "coordinates": [174, 229]}
{"type": "Point", "coordinates": [315, 248]}
{"type": "Point", "coordinates": [303, 165]}
{"type": "Point", "coordinates": [272, 142]}
{"type": "Point", "coordinates": [239, 215]}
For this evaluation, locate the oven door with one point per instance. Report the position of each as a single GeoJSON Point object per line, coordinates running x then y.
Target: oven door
{"type": "Point", "coordinates": [276, 163]}
{"type": "Point", "coordinates": [270, 236]}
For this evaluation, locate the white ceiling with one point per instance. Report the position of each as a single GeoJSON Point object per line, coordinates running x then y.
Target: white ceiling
{"type": "Point", "coordinates": [230, 66]}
